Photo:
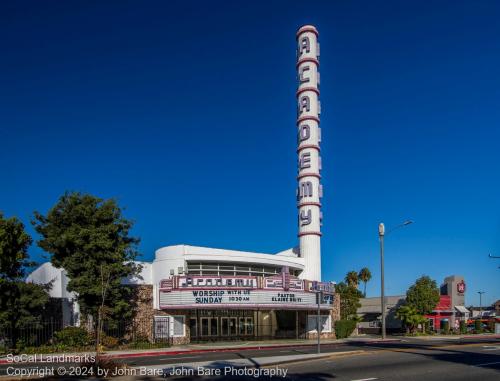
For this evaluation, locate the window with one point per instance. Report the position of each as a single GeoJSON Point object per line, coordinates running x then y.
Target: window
{"type": "Point", "coordinates": [193, 331]}
{"type": "Point", "coordinates": [224, 326]}
{"type": "Point", "coordinates": [242, 326]}
{"type": "Point", "coordinates": [249, 324]}
{"type": "Point", "coordinates": [169, 326]}
{"type": "Point", "coordinates": [325, 321]}
{"type": "Point", "coordinates": [213, 327]}
{"type": "Point", "coordinates": [178, 326]}
{"type": "Point", "coordinates": [161, 327]}
{"type": "Point", "coordinates": [204, 326]}
{"type": "Point", "coordinates": [224, 268]}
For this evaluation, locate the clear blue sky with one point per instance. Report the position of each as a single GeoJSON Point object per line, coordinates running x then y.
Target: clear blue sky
{"type": "Point", "coordinates": [185, 112]}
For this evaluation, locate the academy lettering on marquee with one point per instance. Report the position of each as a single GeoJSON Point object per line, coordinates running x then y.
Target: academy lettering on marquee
{"type": "Point", "coordinates": [178, 299]}
{"type": "Point", "coordinates": [283, 290]}
{"type": "Point", "coordinates": [192, 281]}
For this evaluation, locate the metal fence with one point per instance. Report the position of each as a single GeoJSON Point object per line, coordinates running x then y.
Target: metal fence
{"type": "Point", "coordinates": [53, 336]}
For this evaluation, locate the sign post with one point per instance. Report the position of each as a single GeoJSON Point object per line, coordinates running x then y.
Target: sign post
{"type": "Point", "coordinates": [318, 321]}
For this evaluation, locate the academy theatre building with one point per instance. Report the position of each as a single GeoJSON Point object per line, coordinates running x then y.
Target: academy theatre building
{"type": "Point", "coordinates": [204, 293]}
{"type": "Point", "coordinates": [197, 293]}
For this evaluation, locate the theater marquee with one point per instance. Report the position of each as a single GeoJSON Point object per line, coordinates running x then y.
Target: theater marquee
{"type": "Point", "coordinates": [245, 292]}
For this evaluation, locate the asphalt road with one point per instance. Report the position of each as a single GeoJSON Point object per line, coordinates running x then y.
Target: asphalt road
{"type": "Point", "coordinates": [408, 343]}
{"type": "Point", "coordinates": [411, 359]}
{"type": "Point", "coordinates": [453, 362]}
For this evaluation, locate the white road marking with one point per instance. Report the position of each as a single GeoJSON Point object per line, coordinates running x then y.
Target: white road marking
{"type": "Point", "coordinates": [284, 351]}
{"type": "Point", "coordinates": [366, 379]}
{"type": "Point", "coordinates": [487, 363]}
{"type": "Point", "coordinates": [491, 348]}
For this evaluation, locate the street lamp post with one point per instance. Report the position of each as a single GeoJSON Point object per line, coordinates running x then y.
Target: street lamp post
{"type": "Point", "coordinates": [381, 234]}
{"type": "Point", "coordinates": [480, 303]}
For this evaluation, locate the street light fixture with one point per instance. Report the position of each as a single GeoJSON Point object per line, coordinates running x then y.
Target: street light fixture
{"type": "Point", "coordinates": [381, 234]}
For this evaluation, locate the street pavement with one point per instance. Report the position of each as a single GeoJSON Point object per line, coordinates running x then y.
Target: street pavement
{"type": "Point", "coordinates": [453, 362]}
{"type": "Point", "coordinates": [403, 359]}
{"type": "Point", "coordinates": [408, 360]}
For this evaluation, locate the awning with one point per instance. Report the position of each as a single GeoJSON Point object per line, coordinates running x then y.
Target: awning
{"type": "Point", "coordinates": [462, 309]}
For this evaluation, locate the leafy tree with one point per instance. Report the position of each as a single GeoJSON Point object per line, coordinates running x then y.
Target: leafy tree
{"type": "Point", "coordinates": [349, 300]}
{"type": "Point", "coordinates": [364, 276]}
{"type": "Point", "coordinates": [14, 244]}
{"type": "Point", "coordinates": [88, 236]}
{"type": "Point", "coordinates": [20, 303]}
{"type": "Point", "coordinates": [423, 295]}
{"type": "Point", "coordinates": [410, 317]}
{"type": "Point", "coordinates": [351, 279]}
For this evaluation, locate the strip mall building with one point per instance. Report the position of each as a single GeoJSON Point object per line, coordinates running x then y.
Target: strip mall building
{"type": "Point", "coordinates": [199, 293]}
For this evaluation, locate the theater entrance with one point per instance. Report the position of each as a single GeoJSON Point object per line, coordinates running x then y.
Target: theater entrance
{"type": "Point", "coordinates": [211, 325]}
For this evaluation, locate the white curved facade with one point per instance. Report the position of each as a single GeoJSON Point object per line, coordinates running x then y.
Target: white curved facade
{"type": "Point", "coordinates": [179, 260]}
{"type": "Point", "coordinates": [174, 260]}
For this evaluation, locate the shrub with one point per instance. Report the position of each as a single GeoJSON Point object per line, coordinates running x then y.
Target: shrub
{"type": "Point", "coordinates": [463, 326]}
{"type": "Point", "coordinates": [73, 337]}
{"type": "Point", "coordinates": [344, 328]}
{"type": "Point", "coordinates": [491, 325]}
{"type": "Point", "coordinates": [477, 326]}
{"type": "Point", "coordinates": [109, 341]}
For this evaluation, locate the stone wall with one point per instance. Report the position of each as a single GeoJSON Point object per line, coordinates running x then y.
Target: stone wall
{"type": "Point", "coordinates": [145, 314]}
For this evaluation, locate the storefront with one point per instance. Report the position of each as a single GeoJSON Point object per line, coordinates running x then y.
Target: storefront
{"type": "Point", "coordinates": [247, 307]}
{"type": "Point", "coordinates": [451, 305]}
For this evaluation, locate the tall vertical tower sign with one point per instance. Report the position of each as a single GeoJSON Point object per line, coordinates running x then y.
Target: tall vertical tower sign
{"type": "Point", "coordinates": [309, 190]}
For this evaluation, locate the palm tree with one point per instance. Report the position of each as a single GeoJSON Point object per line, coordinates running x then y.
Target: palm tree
{"type": "Point", "coordinates": [352, 279]}
{"type": "Point", "coordinates": [364, 276]}
{"type": "Point", "coordinates": [410, 318]}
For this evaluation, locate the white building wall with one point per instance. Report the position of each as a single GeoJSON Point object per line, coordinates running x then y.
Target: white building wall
{"type": "Point", "coordinates": [58, 278]}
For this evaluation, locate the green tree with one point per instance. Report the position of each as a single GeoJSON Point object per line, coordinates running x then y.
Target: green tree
{"type": "Point", "coordinates": [423, 295]}
{"type": "Point", "coordinates": [349, 300]}
{"type": "Point", "coordinates": [89, 238]}
{"type": "Point", "coordinates": [410, 317]}
{"type": "Point", "coordinates": [351, 279]}
{"type": "Point", "coordinates": [364, 276]}
{"type": "Point", "coordinates": [20, 303]}
{"type": "Point", "coordinates": [14, 244]}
